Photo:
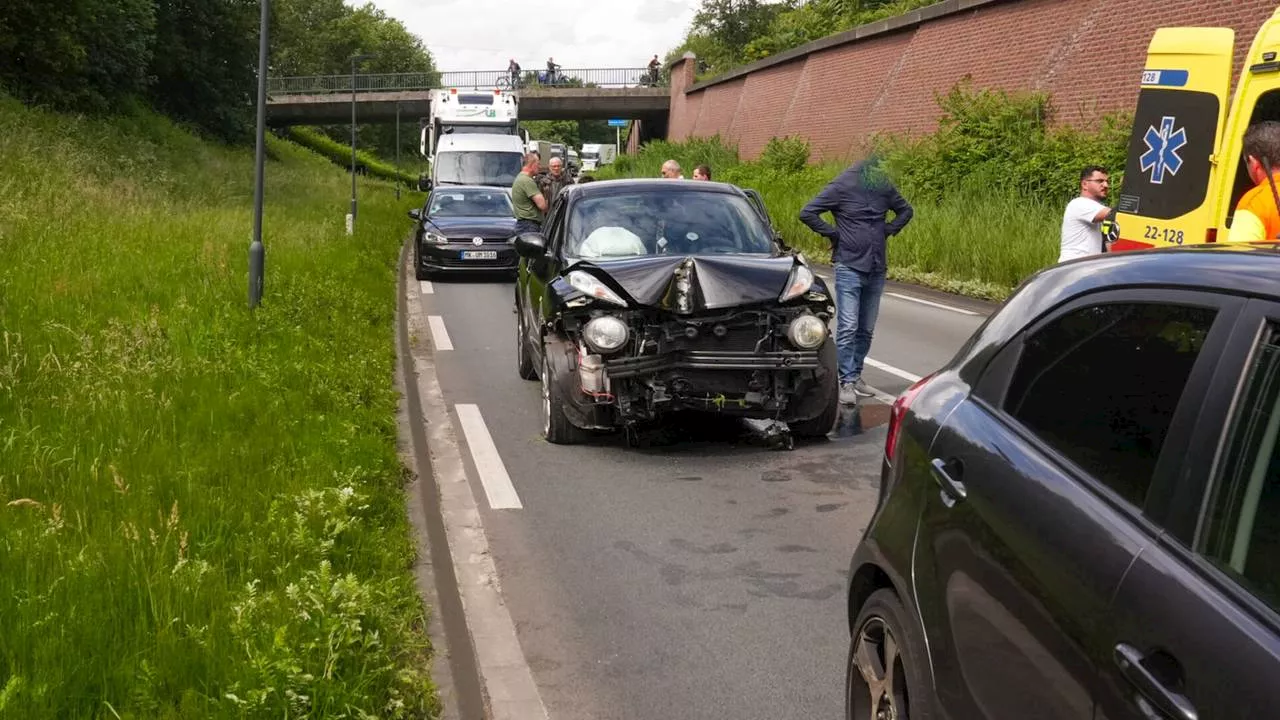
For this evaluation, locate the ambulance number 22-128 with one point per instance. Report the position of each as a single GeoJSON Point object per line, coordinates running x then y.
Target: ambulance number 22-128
{"type": "Point", "coordinates": [1165, 234]}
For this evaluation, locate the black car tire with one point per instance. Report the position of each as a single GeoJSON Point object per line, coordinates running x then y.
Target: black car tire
{"type": "Point", "coordinates": [906, 694]}
{"type": "Point", "coordinates": [556, 427]}
{"type": "Point", "coordinates": [524, 362]}
{"type": "Point", "coordinates": [821, 425]}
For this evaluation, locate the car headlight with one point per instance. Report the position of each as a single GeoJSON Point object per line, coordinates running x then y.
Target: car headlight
{"type": "Point", "coordinates": [807, 331]}
{"type": "Point", "coordinates": [799, 283]}
{"type": "Point", "coordinates": [435, 238]}
{"type": "Point", "coordinates": [587, 284]}
{"type": "Point", "coordinates": [605, 333]}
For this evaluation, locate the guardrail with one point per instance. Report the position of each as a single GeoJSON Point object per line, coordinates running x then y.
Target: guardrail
{"type": "Point", "coordinates": [466, 79]}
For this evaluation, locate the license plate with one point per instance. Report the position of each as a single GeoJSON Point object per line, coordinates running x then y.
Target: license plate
{"type": "Point", "coordinates": [479, 254]}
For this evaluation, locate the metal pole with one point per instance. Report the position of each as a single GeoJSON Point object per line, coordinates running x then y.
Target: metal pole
{"type": "Point", "coordinates": [397, 150]}
{"type": "Point", "coordinates": [257, 253]}
{"type": "Point", "coordinates": [352, 222]}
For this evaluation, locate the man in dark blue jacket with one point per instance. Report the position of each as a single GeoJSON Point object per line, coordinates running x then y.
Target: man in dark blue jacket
{"type": "Point", "coordinates": [858, 199]}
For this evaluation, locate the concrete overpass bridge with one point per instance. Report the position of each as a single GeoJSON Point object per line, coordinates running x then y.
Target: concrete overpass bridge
{"type": "Point", "coordinates": [575, 94]}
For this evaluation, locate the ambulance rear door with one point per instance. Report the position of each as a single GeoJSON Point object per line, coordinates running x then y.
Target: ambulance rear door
{"type": "Point", "coordinates": [1257, 99]}
{"type": "Point", "coordinates": [1166, 199]}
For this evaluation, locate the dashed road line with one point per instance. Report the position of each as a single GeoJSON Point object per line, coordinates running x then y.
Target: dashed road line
{"type": "Point", "coordinates": [426, 287]}
{"type": "Point", "coordinates": [493, 474]}
{"type": "Point", "coordinates": [909, 377]}
{"type": "Point", "coordinates": [931, 303]}
{"type": "Point", "coordinates": [439, 335]}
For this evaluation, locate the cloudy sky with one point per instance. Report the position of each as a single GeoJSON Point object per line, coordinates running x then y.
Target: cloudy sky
{"type": "Point", "coordinates": [484, 34]}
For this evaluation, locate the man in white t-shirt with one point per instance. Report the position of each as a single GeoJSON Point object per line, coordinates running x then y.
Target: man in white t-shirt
{"type": "Point", "coordinates": [1082, 222]}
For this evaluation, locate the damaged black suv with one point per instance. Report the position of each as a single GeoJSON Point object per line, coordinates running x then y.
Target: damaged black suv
{"type": "Point", "coordinates": [642, 297]}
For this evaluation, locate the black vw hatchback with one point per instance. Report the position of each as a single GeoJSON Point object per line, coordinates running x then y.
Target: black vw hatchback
{"type": "Point", "coordinates": [1080, 514]}
{"type": "Point", "coordinates": [464, 228]}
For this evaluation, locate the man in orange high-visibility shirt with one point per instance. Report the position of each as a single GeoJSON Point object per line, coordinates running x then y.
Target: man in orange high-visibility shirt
{"type": "Point", "coordinates": [1257, 216]}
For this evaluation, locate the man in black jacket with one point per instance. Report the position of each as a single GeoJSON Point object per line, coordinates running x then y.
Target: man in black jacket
{"type": "Point", "coordinates": [858, 199]}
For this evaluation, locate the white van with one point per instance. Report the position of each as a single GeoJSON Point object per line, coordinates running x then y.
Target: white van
{"type": "Point", "coordinates": [477, 160]}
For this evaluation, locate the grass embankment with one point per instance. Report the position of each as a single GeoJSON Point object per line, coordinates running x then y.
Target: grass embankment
{"type": "Point", "coordinates": [201, 512]}
{"type": "Point", "coordinates": [987, 189]}
{"type": "Point", "coordinates": [341, 155]}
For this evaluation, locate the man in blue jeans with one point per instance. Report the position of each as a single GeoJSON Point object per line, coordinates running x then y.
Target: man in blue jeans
{"type": "Point", "coordinates": [858, 199]}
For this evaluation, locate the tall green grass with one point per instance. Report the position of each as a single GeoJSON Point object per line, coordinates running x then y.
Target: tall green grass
{"type": "Point", "coordinates": [341, 155]}
{"type": "Point", "coordinates": [201, 512]}
{"type": "Point", "coordinates": [970, 241]}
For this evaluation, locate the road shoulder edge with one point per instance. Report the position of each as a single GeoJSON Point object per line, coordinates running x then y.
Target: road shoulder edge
{"type": "Point", "coordinates": [921, 292]}
{"type": "Point", "coordinates": [484, 647]}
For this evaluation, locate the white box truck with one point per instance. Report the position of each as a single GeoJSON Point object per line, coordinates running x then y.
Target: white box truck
{"type": "Point", "coordinates": [471, 138]}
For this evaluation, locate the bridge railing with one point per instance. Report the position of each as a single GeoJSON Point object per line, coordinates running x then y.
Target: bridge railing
{"type": "Point", "coordinates": [466, 79]}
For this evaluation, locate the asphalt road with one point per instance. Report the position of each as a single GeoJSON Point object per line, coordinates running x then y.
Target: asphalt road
{"type": "Point", "coordinates": [704, 577]}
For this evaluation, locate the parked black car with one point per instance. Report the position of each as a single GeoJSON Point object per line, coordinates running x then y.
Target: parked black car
{"type": "Point", "coordinates": [647, 296]}
{"type": "Point", "coordinates": [464, 228]}
{"type": "Point", "coordinates": [1080, 514]}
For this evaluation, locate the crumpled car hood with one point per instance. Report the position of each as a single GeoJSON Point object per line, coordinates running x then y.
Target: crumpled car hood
{"type": "Point", "coordinates": [717, 281]}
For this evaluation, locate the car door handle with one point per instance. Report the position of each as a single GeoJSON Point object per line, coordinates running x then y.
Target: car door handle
{"type": "Point", "coordinates": [951, 486]}
{"type": "Point", "coordinates": [1151, 689]}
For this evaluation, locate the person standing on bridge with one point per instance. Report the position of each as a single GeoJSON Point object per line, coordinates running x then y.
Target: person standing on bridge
{"type": "Point", "coordinates": [526, 198]}
{"type": "Point", "coordinates": [858, 199]}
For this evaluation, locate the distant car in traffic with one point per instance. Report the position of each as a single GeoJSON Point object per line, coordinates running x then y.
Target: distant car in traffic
{"type": "Point", "coordinates": [464, 229]}
{"type": "Point", "coordinates": [648, 296]}
{"type": "Point", "coordinates": [1080, 514]}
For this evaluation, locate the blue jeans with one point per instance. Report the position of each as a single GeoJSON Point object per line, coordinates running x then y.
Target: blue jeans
{"type": "Point", "coordinates": [857, 305]}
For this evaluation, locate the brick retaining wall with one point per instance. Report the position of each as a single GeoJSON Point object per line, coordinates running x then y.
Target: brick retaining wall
{"type": "Point", "coordinates": [838, 91]}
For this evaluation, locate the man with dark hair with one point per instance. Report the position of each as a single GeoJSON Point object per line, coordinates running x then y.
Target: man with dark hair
{"type": "Point", "coordinates": [1082, 220]}
{"type": "Point", "coordinates": [526, 198]}
{"type": "Point", "coordinates": [702, 172]}
{"type": "Point", "coordinates": [858, 199]}
{"type": "Point", "coordinates": [1257, 215]}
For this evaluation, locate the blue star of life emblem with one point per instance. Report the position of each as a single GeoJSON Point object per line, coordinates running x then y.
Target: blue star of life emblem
{"type": "Point", "coordinates": [1163, 145]}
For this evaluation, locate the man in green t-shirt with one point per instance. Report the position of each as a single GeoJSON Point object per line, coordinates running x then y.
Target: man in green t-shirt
{"type": "Point", "coordinates": [530, 206]}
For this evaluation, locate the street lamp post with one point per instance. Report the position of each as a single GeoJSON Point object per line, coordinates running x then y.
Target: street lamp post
{"type": "Point", "coordinates": [397, 150]}
{"type": "Point", "coordinates": [351, 222]}
{"type": "Point", "coordinates": [257, 253]}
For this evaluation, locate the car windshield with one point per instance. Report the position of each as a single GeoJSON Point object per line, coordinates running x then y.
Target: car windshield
{"type": "Point", "coordinates": [457, 202]}
{"type": "Point", "coordinates": [474, 167]}
{"type": "Point", "coordinates": [679, 221]}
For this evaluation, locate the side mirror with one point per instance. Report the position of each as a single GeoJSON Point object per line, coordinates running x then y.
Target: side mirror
{"type": "Point", "coordinates": [531, 245]}
{"type": "Point", "coordinates": [415, 214]}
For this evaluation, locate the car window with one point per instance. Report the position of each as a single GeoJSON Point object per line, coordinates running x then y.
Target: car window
{"type": "Point", "coordinates": [1101, 383]}
{"type": "Point", "coordinates": [471, 203]}
{"type": "Point", "coordinates": [656, 222]}
{"type": "Point", "coordinates": [1243, 530]}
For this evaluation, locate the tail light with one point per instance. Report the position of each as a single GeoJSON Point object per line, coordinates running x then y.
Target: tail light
{"type": "Point", "coordinates": [897, 412]}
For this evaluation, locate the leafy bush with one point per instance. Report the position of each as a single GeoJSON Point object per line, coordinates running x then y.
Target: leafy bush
{"type": "Point", "coordinates": [789, 154]}
{"type": "Point", "coordinates": [1005, 141]}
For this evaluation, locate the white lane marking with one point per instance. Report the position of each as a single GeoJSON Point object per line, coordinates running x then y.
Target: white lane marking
{"type": "Point", "coordinates": [892, 370]}
{"type": "Point", "coordinates": [439, 335]}
{"type": "Point", "coordinates": [882, 396]}
{"type": "Point", "coordinates": [930, 303]}
{"type": "Point", "coordinates": [425, 287]}
{"type": "Point", "coordinates": [493, 474]}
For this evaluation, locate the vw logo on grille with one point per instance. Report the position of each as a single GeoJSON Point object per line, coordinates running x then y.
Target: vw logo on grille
{"type": "Point", "coordinates": [477, 241]}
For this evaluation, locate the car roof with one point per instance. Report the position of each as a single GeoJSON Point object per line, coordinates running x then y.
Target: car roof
{"type": "Point", "coordinates": [1244, 269]}
{"type": "Point", "coordinates": [627, 185]}
{"type": "Point", "coordinates": [471, 188]}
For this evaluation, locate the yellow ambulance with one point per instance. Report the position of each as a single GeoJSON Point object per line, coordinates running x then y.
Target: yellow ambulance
{"type": "Point", "coordinates": [1185, 171]}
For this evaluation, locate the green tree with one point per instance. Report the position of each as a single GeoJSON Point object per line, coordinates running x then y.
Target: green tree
{"type": "Point", "coordinates": [204, 69]}
{"type": "Point", "coordinates": [84, 55]}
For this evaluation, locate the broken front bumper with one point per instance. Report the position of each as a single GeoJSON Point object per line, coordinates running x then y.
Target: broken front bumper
{"type": "Point", "coordinates": [621, 368]}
